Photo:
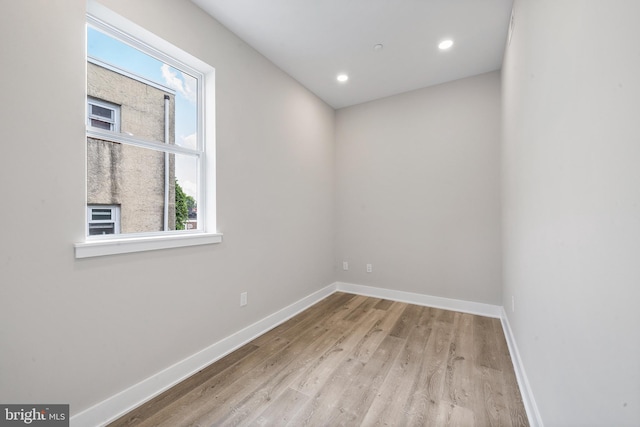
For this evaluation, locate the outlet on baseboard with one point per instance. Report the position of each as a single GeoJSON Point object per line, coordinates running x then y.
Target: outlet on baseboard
{"type": "Point", "coordinates": [243, 299]}
{"type": "Point", "coordinates": [369, 268]}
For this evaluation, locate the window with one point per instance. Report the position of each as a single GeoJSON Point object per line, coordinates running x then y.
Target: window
{"type": "Point", "coordinates": [103, 220]}
{"type": "Point", "coordinates": [103, 115]}
{"type": "Point", "coordinates": [150, 154]}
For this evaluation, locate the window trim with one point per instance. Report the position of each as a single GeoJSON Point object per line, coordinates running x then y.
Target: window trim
{"type": "Point", "coordinates": [101, 17]}
{"type": "Point", "coordinates": [143, 243]}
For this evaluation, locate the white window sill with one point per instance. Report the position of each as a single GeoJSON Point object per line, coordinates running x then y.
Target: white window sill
{"type": "Point", "coordinates": [94, 248]}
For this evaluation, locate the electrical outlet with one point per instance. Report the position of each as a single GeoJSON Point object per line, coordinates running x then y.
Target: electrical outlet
{"type": "Point", "coordinates": [369, 268]}
{"type": "Point", "coordinates": [243, 299]}
{"type": "Point", "coordinates": [345, 265]}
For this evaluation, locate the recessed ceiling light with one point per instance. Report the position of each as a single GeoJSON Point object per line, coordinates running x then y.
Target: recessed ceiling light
{"type": "Point", "coordinates": [445, 44]}
{"type": "Point", "coordinates": [342, 78]}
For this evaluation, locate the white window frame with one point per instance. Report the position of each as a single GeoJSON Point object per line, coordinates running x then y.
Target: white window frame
{"type": "Point", "coordinates": [115, 123]}
{"type": "Point", "coordinates": [134, 35]}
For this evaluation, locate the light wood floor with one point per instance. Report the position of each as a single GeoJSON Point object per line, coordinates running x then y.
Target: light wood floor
{"type": "Point", "coordinates": [352, 360]}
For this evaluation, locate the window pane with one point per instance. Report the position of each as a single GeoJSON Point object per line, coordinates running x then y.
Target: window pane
{"type": "Point", "coordinates": [98, 229]}
{"type": "Point", "coordinates": [186, 112]}
{"type": "Point", "coordinates": [150, 75]}
{"type": "Point", "coordinates": [101, 214]}
{"type": "Point", "coordinates": [186, 193]}
{"type": "Point", "coordinates": [97, 110]}
{"type": "Point", "coordinates": [143, 183]}
{"type": "Point", "coordinates": [101, 125]}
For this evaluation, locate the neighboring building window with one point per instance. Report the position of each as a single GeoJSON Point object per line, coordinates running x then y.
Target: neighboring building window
{"type": "Point", "coordinates": [103, 220]}
{"type": "Point", "coordinates": [103, 115]}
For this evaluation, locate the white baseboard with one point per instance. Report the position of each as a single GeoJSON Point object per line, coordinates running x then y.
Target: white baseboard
{"type": "Point", "coordinates": [123, 402]}
{"type": "Point", "coordinates": [478, 308]}
{"type": "Point", "coordinates": [523, 382]}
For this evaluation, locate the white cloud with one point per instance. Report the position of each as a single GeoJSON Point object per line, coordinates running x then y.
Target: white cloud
{"type": "Point", "coordinates": [190, 86]}
{"type": "Point", "coordinates": [189, 187]}
{"type": "Point", "coordinates": [185, 84]}
{"type": "Point", "coordinates": [186, 174]}
{"type": "Point", "coordinates": [188, 141]}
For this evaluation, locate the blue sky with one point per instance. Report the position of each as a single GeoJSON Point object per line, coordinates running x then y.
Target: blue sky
{"type": "Point", "coordinates": [121, 55]}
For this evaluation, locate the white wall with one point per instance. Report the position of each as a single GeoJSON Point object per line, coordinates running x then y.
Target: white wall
{"type": "Point", "coordinates": [79, 331]}
{"type": "Point", "coordinates": [571, 168]}
{"type": "Point", "coordinates": [418, 191]}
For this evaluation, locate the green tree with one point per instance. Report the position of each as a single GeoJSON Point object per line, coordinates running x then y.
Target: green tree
{"type": "Point", "coordinates": [182, 210]}
{"type": "Point", "coordinates": [191, 204]}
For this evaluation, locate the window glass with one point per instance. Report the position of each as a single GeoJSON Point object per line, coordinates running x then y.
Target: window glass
{"type": "Point", "coordinates": [101, 214]}
{"type": "Point", "coordinates": [131, 61]}
{"type": "Point", "coordinates": [149, 163]}
{"type": "Point", "coordinates": [101, 125]}
{"type": "Point", "coordinates": [97, 110]}
{"type": "Point", "coordinates": [101, 229]}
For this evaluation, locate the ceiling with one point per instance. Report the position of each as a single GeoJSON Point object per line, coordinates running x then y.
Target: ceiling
{"type": "Point", "coordinates": [315, 40]}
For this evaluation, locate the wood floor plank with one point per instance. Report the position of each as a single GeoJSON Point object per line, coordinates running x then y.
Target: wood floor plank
{"type": "Point", "coordinates": [458, 387]}
{"type": "Point", "coordinates": [450, 415]}
{"type": "Point", "coordinates": [384, 304]}
{"type": "Point", "coordinates": [366, 347]}
{"type": "Point", "coordinates": [319, 369]}
{"type": "Point", "coordinates": [407, 321]}
{"type": "Point", "coordinates": [428, 388]}
{"type": "Point", "coordinates": [215, 392]}
{"type": "Point", "coordinates": [367, 305]}
{"type": "Point", "coordinates": [491, 406]}
{"type": "Point", "coordinates": [258, 384]}
{"type": "Point", "coordinates": [487, 354]}
{"type": "Point", "coordinates": [389, 405]}
{"type": "Point", "coordinates": [182, 410]}
{"type": "Point", "coordinates": [319, 409]}
{"type": "Point", "coordinates": [357, 398]}
{"type": "Point", "coordinates": [247, 397]}
{"type": "Point", "coordinates": [353, 360]}
{"type": "Point", "coordinates": [335, 303]}
{"type": "Point", "coordinates": [177, 392]}
{"type": "Point", "coordinates": [281, 410]}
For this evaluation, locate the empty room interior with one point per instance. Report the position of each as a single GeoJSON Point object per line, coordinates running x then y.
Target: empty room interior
{"type": "Point", "coordinates": [477, 201]}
